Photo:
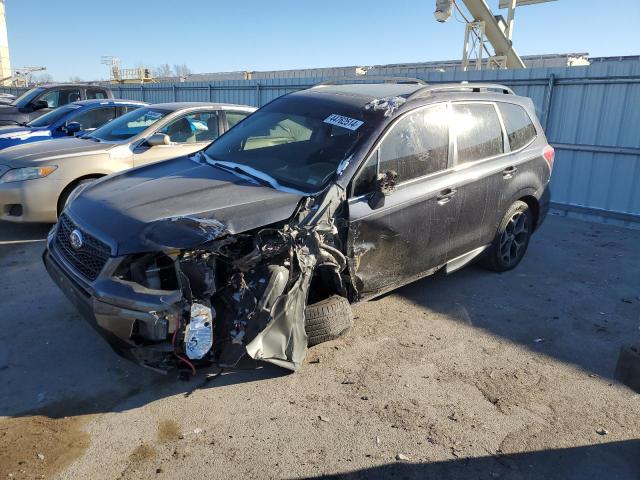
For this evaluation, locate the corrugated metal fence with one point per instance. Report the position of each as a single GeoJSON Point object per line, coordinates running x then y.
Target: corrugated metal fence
{"type": "Point", "coordinates": [591, 116]}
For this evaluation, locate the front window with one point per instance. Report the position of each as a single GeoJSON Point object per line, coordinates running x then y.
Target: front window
{"type": "Point", "coordinates": [196, 127]}
{"type": "Point", "coordinates": [297, 141]}
{"type": "Point", "coordinates": [26, 98]}
{"type": "Point", "coordinates": [129, 125]}
{"type": "Point", "coordinates": [53, 116]}
{"type": "Point", "coordinates": [56, 98]}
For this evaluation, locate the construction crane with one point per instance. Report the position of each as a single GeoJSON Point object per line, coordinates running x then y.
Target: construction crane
{"type": "Point", "coordinates": [126, 75]}
{"type": "Point", "coordinates": [21, 76]}
{"type": "Point", "coordinates": [486, 25]}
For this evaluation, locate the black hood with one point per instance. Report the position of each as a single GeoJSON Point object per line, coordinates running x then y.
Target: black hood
{"type": "Point", "coordinates": [177, 203]}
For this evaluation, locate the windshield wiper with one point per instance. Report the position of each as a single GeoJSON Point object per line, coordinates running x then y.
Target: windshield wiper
{"type": "Point", "coordinates": [237, 169]}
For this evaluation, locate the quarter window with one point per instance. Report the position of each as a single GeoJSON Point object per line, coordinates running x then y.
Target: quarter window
{"type": "Point", "coordinates": [520, 129]}
{"type": "Point", "coordinates": [96, 94]}
{"type": "Point", "coordinates": [478, 131]}
{"type": "Point", "coordinates": [418, 144]}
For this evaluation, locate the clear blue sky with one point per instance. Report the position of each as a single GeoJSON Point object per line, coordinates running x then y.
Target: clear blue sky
{"type": "Point", "coordinates": [69, 36]}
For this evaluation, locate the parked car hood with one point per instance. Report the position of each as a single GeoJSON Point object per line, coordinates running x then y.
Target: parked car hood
{"type": "Point", "coordinates": [33, 153]}
{"type": "Point", "coordinates": [11, 136]}
{"type": "Point", "coordinates": [178, 203]}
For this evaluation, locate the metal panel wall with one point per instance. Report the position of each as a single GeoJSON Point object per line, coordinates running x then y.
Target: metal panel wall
{"type": "Point", "coordinates": [591, 115]}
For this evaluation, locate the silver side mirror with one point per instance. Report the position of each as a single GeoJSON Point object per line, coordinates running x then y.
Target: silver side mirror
{"type": "Point", "coordinates": [158, 139]}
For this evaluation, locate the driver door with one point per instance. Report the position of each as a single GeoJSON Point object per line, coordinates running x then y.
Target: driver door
{"type": "Point", "coordinates": [402, 239]}
{"type": "Point", "coordinates": [187, 134]}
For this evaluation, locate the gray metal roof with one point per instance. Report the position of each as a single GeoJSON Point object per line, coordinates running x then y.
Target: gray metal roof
{"type": "Point", "coordinates": [106, 101]}
{"type": "Point", "coordinates": [368, 91]}
{"type": "Point", "coordinates": [175, 106]}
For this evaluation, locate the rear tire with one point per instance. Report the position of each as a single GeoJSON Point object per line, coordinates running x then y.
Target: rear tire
{"type": "Point", "coordinates": [327, 320]}
{"type": "Point", "coordinates": [511, 240]}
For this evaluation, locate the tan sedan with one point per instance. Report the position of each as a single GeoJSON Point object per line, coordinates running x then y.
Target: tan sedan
{"type": "Point", "coordinates": [37, 179]}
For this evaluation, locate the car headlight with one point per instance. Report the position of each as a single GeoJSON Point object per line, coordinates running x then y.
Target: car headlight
{"type": "Point", "coordinates": [27, 173]}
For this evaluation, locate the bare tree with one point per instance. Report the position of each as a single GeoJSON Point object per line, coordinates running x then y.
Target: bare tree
{"type": "Point", "coordinates": [163, 71]}
{"type": "Point", "coordinates": [181, 70]}
{"type": "Point", "coordinates": [75, 79]}
{"type": "Point", "coordinates": [41, 78]}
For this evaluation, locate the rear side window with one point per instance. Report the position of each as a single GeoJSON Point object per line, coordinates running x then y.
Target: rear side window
{"type": "Point", "coordinates": [95, 118]}
{"type": "Point", "coordinates": [96, 94]}
{"type": "Point", "coordinates": [235, 117]}
{"type": "Point", "coordinates": [417, 145]}
{"type": "Point", "coordinates": [520, 129]}
{"type": "Point", "coordinates": [126, 109]}
{"type": "Point", "coordinates": [478, 131]}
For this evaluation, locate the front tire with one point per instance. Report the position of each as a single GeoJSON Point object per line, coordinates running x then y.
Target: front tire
{"type": "Point", "coordinates": [511, 240]}
{"type": "Point", "coordinates": [327, 320]}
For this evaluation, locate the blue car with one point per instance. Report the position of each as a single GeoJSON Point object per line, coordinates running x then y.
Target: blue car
{"type": "Point", "coordinates": [73, 119]}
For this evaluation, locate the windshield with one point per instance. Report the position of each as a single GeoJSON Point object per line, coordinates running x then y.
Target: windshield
{"type": "Point", "coordinates": [129, 125]}
{"type": "Point", "coordinates": [24, 99]}
{"type": "Point", "coordinates": [299, 141]}
{"type": "Point", "coordinates": [53, 116]}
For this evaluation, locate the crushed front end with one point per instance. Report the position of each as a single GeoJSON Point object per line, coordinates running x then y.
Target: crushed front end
{"type": "Point", "coordinates": [202, 295]}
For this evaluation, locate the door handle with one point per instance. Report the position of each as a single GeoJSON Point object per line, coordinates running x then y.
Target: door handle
{"type": "Point", "coordinates": [445, 195]}
{"type": "Point", "coordinates": [509, 171]}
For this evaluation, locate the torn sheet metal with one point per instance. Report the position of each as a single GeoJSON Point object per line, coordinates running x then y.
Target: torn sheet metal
{"type": "Point", "coordinates": [388, 105]}
{"type": "Point", "coordinates": [284, 341]}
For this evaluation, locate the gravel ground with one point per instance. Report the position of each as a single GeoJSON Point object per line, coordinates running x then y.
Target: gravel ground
{"type": "Point", "coordinates": [474, 375]}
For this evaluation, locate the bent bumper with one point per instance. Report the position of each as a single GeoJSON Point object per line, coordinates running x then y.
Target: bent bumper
{"type": "Point", "coordinates": [118, 325]}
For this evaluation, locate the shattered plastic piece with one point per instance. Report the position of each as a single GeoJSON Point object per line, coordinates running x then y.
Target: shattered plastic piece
{"type": "Point", "coordinates": [198, 336]}
{"type": "Point", "coordinates": [388, 105]}
{"type": "Point", "coordinates": [602, 431]}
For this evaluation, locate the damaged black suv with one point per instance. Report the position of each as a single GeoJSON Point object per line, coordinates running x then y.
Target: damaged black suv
{"type": "Point", "coordinates": [324, 197]}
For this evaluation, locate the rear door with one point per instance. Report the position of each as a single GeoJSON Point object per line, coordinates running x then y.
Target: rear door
{"type": "Point", "coordinates": [479, 149]}
{"type": "Point", "coordinates": [188, 133]}
{"type": "Point", "coordinates": [408, 235]}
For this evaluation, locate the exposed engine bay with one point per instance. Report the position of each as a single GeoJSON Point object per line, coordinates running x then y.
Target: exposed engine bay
{"type": "Point", "coordinates": [238, 294]}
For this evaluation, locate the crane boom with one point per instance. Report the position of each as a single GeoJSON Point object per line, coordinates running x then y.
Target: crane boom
{"type": "Point", "coordinates": [501, 44]}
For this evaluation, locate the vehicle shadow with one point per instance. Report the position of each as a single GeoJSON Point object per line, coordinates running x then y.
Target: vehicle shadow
{"type": "Point", "coordinates": [571, 296]}
{"type": "Point", "coordinates": [611, 461]}
{"type": "Point", "coordinates": [14, 233]}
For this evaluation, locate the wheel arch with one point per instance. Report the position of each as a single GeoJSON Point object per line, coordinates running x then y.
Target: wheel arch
{"type": "Point", "coordinates": [73, 184]}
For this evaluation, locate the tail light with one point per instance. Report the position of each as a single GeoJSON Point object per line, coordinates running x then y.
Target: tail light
{"type": "Point", "coordinates": [549, 155]}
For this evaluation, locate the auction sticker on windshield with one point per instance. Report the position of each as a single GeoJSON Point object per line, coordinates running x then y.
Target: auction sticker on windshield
{"type": "Point", "coordinates": [344, 122]}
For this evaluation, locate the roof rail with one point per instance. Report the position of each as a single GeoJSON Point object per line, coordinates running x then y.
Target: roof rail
{"type": "Point", "coordinates": [461, 87]}
{"type": "Point", "coordinates": [372, 79]}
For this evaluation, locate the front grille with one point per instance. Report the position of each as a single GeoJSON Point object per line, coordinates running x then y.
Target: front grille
{"type": "Point", "coordinates": [90, 258]}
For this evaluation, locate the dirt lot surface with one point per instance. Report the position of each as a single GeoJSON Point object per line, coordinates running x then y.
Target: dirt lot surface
{"type": "Point", "coordinates": [474, 375]}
